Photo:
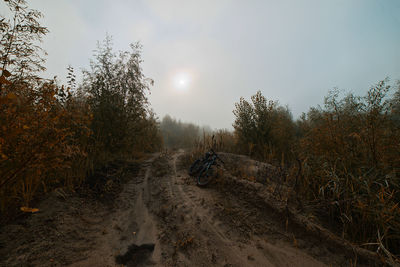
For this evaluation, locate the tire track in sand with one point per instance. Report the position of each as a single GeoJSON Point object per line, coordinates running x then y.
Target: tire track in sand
{"type": "Point", "coordinates": [186, 213]}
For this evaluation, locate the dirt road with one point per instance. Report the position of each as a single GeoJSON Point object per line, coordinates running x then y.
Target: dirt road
{"type": "Point", "coordinates": [161, 218]}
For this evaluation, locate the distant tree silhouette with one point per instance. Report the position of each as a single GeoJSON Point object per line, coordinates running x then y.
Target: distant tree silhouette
{"type": "Point", "coordinates": [177, 134]}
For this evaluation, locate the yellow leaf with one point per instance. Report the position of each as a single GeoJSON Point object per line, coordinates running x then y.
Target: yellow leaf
{"type": "Point", "coordinates": [26, 209]}
{"type": "Point", "coordinates": [11, 95]}
{"type": "Point", "coordinates": [25, 127]}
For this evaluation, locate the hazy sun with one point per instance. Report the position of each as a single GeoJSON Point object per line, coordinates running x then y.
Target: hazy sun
{"type": "Point", "coordinates": [182, 81]}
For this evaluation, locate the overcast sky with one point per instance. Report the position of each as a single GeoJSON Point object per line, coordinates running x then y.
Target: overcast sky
{"type": "Point", "coordinates": [204, 55]}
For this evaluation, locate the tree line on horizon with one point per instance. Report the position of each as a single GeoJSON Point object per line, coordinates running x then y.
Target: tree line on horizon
{"type": "Point", "coordinates": [177, 134]}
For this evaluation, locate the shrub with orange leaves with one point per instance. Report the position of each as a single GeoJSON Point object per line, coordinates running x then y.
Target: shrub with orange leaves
{"type": "Point", "coordinates": [351, 164]}
{"type": "Point", "coordinates": [344, 159]}
{"type": "Point", "coordinates": [49, 137]}
{"type": "Point", "coordinates": [41, 136]}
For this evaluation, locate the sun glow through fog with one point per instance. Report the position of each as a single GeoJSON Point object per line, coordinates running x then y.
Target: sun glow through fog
{"type": "Point", "coordinates": [182, 81]}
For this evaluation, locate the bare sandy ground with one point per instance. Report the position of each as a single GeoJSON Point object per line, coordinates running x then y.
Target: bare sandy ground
{"type": "Point", "coordinates": [161, 218]}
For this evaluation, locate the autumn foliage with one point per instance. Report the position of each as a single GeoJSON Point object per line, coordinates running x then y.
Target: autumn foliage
{"type": "Point", "coordinates": [42, 139]}
{"type": "Point", "coordinates": [342, 159]}
{"type": "Point", "coordinates": [350, 154]}
{"type": "Point", "coordinates": [55, 136]}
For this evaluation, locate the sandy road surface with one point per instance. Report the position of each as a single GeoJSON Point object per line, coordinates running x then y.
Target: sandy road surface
{"type": "Point", "coordinates": [199, 227]}
{"type": "Point", "coordinates": [161, 218]}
